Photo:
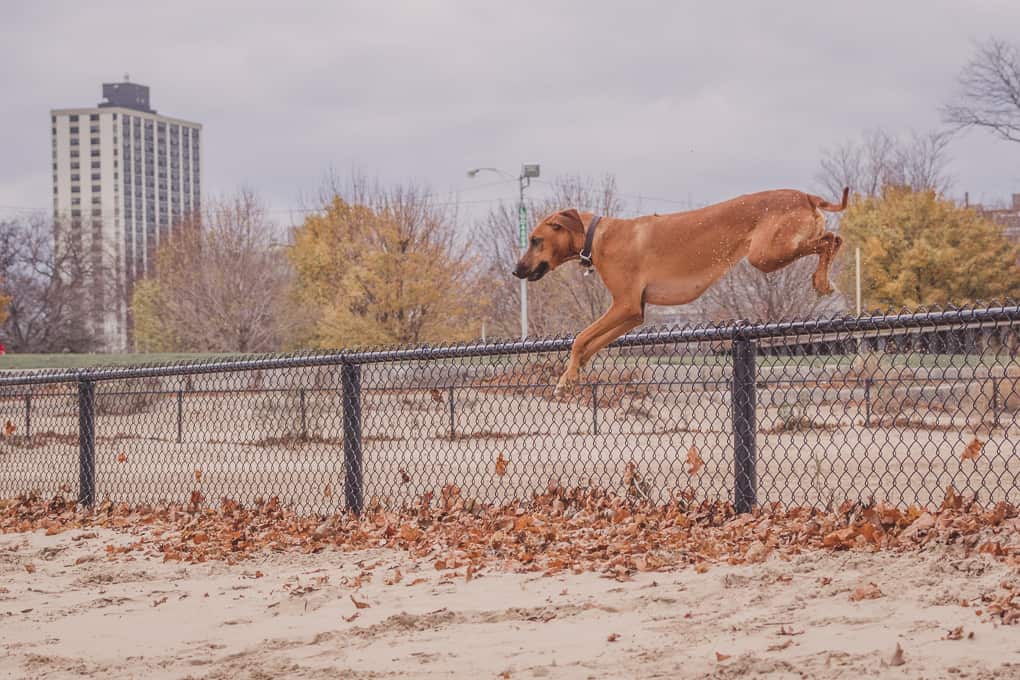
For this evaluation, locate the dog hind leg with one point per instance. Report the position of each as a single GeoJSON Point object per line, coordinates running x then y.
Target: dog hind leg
{"type": "Point", "coordinates": [827, 247]}
{"type": "Point", "coordinates": [775, 248]}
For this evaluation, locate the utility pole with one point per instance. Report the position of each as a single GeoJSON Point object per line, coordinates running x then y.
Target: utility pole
{"type": "Point", "coordinates": [528, 170]}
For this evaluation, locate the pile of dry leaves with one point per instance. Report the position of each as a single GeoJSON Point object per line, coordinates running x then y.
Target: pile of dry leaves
{"type": "Point", "coordinates": [561, 529]}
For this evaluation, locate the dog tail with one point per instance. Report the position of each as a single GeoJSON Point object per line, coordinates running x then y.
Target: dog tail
{"type": "Point", "coordinates": [821, 204]}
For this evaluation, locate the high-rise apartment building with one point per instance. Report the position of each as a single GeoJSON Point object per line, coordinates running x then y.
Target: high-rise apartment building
{"type": "Point", "coordinates": [123, 177]}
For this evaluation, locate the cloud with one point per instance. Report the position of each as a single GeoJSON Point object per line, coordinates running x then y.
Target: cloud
{"type": "Point", "coordinates": [679, 100]}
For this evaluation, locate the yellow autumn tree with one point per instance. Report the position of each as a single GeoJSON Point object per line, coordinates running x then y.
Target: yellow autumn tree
{"type": "Point", "coordinates": [5, 303]}
{"type": "Point", "coordinates": [385, 270]}
{"type": "Point", "coordinates": [920, 249]}
{"type": "Point", "coordinates": [150, 334]}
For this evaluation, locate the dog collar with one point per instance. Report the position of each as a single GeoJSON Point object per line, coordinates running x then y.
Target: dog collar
{"type": "Point", "coordinates": [589, 237]}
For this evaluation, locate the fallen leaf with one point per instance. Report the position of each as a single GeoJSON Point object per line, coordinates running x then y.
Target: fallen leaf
{"type": "Point", "coordinates": [501, 464]}
{"type": "Point", "coordinates": [198, 475]}
{"type": "Point", "coordinates": [360, 605]}
{"type": "Point", "coordinates": [866, 591]}
{"type": "Point", "coordinates": [780, 646]}
{"type": "Point", "coordinates": [721, 657]}
{"type": "Point", "coordinates": [953, 500]}
{"type": "Point", "coordinates": [756, 552]}
{"type": "Point", "coordinates": [353, 616]}
{"type": "Point", "coordinates": [955, 634]}
{"type": "Point", "coordinates": [30, 568]}
{"type": "Point", "coordinates": [973, 450]}
{"type": "Point", "coordinates": [9, 428]}
{"type": "Point", "coordinates": [842, 538]}
{"type": "Point", "coordinates": [121, 457]}
{"type": "Point", "coordinates": [613, 637]}
{"type": "Point", "coordinates": [196, 498]}
{"type": "Point", "coordinates": [409, 533]}
{"type": "Point", "coordinates": [824, 581]}
{"type": "Point", "coordinates": [694, 462]}
{"type": "Point", "coordinates": [436, 395]}
{"type": "Point", "coordinates": [328, 491]}
{"type": "Point", "coordinates": [404, 477]}
{"type": "Point", "coordinates": [783, 630]}
{"type": "Point", "coordinates": [160, 601]}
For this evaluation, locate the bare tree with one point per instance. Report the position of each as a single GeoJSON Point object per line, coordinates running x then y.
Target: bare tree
{"type": "Point", "coordinates": [879, 159]}
{"type": "Point", "coordinates": [49, 287]}
{"type": "Point", "coordinates": [220, 284]}
{"type": "Point", "coordinates": [565, 300]}
{"type": "Point", "coordinates": [989, 92]}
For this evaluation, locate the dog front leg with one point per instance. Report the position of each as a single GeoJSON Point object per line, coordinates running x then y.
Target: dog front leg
{"type": "Point", "coordinates": [630, 323]}
{"type": "Point", "coordinates": [615, 317]}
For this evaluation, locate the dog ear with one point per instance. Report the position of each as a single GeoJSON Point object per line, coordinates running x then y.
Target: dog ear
{"type": "Point", "coordinates": [570, 220]}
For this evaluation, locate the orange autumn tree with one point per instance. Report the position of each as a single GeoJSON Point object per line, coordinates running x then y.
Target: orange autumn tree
{"type": "Point", "coordinates": [383, 268]}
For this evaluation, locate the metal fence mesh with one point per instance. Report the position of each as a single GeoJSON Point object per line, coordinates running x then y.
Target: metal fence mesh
{"type": "Point", "coordinates": [897, 408]}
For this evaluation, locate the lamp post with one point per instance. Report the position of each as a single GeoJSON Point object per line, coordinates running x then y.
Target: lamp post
{"type": "Point", "coordinates": [528, 170]}
{"type": "Point", "coordinates": [857, 278]}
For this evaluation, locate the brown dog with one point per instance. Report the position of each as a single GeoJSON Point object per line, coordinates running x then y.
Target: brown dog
{"type": "Point", "coordinates": [672, 259]}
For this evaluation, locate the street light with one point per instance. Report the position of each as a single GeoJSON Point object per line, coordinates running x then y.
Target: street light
{"type": "Point", "coordinates": [528, 170]}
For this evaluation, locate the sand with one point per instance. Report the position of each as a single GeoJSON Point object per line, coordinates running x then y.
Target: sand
{"type": "Point", "coordinates": [70, 610]}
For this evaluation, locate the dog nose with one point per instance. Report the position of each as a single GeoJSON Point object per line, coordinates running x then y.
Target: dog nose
{"type": "Point", "coordinates": [519, 271]}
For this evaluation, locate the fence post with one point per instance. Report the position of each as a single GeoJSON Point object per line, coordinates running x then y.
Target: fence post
{"type": "Point", "coordinates": [745, 489]}
{"type": "Point", "coordinates": [595, 408]}
{"type": "Point", "coordinates": [28, 416]}
{"type": "Point", "coordinates": [350, 382]}
{"type": "Point", "coordinates": [304, 415]}
{"type": "Point", "coordinates": [453, 419]}
{"type": "Point", "coordinates": [87, 443]}
{"type": "Point", "coordinates": [867, 402]}
{"type": "Point", "coordinates": [180, 416]}
{"type": "Point", "coordinates": [995, 402]}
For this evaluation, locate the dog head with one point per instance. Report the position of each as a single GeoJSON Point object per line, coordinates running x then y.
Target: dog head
{"type": "Point", "coordinates": [552, 242]}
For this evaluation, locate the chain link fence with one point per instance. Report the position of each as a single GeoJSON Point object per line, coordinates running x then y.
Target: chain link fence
{"type": "Point", "coordinates": [896, 408]}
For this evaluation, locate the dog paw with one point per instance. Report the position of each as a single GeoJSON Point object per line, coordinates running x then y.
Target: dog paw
{"type": "Point", "coordinates": [823, 287]}
{"type": "Point", "coordinates": [564, 386]}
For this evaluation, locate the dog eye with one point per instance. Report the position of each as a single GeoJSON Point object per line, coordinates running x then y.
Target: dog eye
{"type": "Point", "coordinates": [535, 242]}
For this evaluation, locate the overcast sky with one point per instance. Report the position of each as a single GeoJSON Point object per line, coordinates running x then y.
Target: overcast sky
{"type": "Point", "coordinates": [683, 102]}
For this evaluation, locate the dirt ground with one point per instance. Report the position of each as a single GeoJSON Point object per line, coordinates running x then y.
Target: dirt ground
{"type": "Point", "coordinates": [70, 609]}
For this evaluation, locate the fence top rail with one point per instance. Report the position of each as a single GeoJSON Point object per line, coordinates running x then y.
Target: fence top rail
{"type": "Point", "coordinates": [933, 319]}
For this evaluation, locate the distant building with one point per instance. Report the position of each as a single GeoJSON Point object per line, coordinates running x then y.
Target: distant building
{"type": "Point", "coordinates": [1009, 218]}
{"type": "Point", "coordinates": [123, 175]}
